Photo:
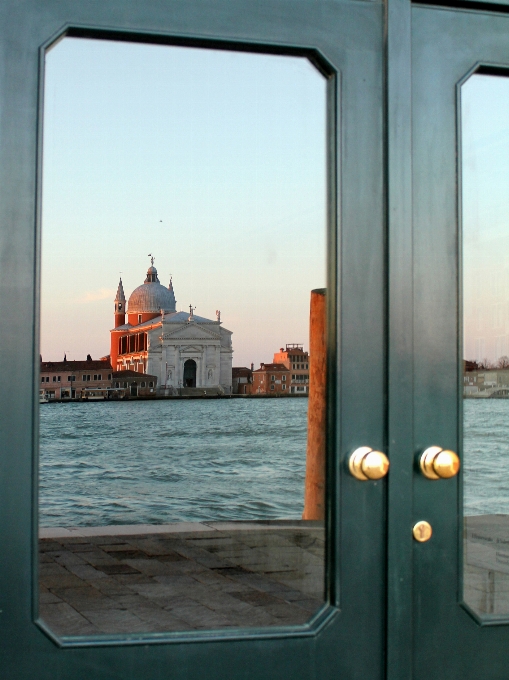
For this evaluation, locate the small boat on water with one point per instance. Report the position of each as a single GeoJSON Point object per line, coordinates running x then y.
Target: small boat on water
{"type": "Point", "coordinates": [43, 398]}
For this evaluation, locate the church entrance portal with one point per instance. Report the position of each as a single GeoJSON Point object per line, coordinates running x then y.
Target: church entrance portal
{"type": "Point", "coordinates": [190, 373]}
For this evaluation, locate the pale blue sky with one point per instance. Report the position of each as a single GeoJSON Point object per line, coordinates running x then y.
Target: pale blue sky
{"type": "Point", "coordinates": [485, 179]}
{"type": "Point", "coordinates": [212, 161]}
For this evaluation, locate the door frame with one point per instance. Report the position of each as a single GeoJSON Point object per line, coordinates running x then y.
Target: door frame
{"type": "Point", "coordinates": [345, 40]}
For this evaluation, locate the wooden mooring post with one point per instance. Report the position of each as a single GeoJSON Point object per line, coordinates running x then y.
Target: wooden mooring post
{"type": "Point", "coordinates": [314, 494]}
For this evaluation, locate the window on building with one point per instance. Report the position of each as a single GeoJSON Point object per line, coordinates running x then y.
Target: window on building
{"type": "Point", "coordinates": [272, 377]}
{"type": "Point", "coordinates": [284, 387]}
{"type": "Point", "coordinates": [143, 384]}
{"type": "Point", "coordinates": [272, 387]}
{"type": "Point", "coordinates": [283, 378]}
{"type": "Point", "coordinates": [42, 379]}
{"type": "Point", "coordinates": [139, 318]}
{"type": "Point", "coordinates": [54, 378]}
{"type": "Point", "coordinates": [109, 376]}
{"type": "Point", "coordinates": [117, 384]}
{"type": "Point", "coordinates": [151, 384]}
{"type": "Point", "coordinates": [125, 384]}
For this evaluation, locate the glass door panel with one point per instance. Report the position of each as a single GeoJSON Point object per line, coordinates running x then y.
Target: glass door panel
{"type": "Point", "coordinates": [485, 238]}
{"type": "Point", "coordinates": [173, 483]}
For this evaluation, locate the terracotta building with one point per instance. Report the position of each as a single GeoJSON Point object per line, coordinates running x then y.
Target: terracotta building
{"type": "Point", "coordinates": [92, 380]}
{"type": "Point", "coordinates": [297, 361]}
{"type": "Point", "coordinates": [73, 379]}
{"type": "Point", "coordinates": [271, 378]}
{"type": "Point", "coordinates": [242, 379]}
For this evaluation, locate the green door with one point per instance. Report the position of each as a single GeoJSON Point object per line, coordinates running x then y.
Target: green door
{"type": "Point", "coordinates": [417, 349]}
{"type": "Point", "coordinates": [459, 74]}
{"type": "Point", "coordinates": [344, 636]}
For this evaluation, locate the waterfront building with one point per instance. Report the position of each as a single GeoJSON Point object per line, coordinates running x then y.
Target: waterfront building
{"type": "Point", "coordinates": [242, 379]}
{"type": "Point", "coordinates": [486, 383]}
{"type": "Point", "coordinates": [182, 349]}
{"type": "Point", "coordinates": [296, 360]}
{"type": "Point", "coordinates": [72, 379]}
{"type": "Point", "coordinates": [271, 378]}
{"type": "Point", "coordinates": [92, 380]}
{"type": "Point", "coordinates": [133, 384]}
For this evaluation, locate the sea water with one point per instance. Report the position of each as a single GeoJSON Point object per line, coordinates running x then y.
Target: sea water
{"type": "Point", "coordinates": [155, 462]}
{"type": "Point", "coordinates": [163, 461]}
{"type": "Point", "coordinates": [486, 456]}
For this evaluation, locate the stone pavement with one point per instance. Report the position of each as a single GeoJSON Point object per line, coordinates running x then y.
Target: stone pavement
{"type": "Point", "coordinates": [181, 577]}
{"type": "Point", "coordinates": [486, 564]}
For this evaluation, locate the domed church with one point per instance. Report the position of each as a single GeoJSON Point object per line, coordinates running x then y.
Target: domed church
{"type": "Point", "coordinates": [185, 351]}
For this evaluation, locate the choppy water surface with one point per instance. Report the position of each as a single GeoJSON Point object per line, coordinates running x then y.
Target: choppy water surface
{"type": "Point", "coordinates": [486, 456]}
{"type": "Point", "coordinates": [166, 461]}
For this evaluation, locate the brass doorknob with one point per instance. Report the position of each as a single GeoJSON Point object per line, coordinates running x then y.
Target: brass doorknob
{"type": "Point", "coordinates": [366, 464]}
{"type": "Point", "coordinates": [437, 463]}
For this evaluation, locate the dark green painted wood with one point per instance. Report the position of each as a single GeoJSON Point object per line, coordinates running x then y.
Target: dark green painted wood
{"type": "Point", "coordinates": [446, 45]}
{"type": "Point", "coordinates": [349, 641]}
{"type": "Point", "coordinates": [400, 340]}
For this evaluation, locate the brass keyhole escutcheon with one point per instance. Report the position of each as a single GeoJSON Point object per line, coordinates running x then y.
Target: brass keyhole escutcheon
{"type": "Point", "coordinates": [367, 464]}
{"type": "Point", "coordinates": [422, 531]}
{"type": "Point", "coordinates": [438, 463]}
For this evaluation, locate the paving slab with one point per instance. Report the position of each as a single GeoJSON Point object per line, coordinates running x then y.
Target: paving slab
{"type": "Point", "coordinates": [180, 577]}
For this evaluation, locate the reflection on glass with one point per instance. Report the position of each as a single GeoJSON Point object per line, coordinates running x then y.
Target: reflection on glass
{"type": "Point", "coordinates": [183, 235]}
{"type": "Point", "coordinates": [485, 177]}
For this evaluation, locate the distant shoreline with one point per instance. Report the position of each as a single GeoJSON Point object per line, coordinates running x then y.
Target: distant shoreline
{"type": "Point", "coordinates": [177, 397]}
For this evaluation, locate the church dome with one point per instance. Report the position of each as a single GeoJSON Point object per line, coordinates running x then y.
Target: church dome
{"type": "Point", "coordinates": [151, 296]}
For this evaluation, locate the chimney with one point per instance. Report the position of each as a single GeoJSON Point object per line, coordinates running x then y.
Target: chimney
{"type": "Point", "coordinates": [252, 366]}
{"type": "Point", "coordinates": [281, 349]}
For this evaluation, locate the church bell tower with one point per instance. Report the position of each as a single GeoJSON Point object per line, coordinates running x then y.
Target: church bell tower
{"type": "Point", "coordinates": [120, 306]}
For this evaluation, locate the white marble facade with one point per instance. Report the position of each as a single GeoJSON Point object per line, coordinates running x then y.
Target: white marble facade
{"type": "Point", "coordinates": [180, 337]}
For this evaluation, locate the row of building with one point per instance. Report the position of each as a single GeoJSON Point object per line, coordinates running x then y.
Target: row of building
{"type": "Point", "coordinates": [485, 383]}
{"type": "Point", "coordinates": [96, 379]}
{"type": "Point", "coordinates": [288, 373]}
{"type": "Point", "coordinates": [155, 349]}
{"type": "Point", "coordinates": [92, 380]}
